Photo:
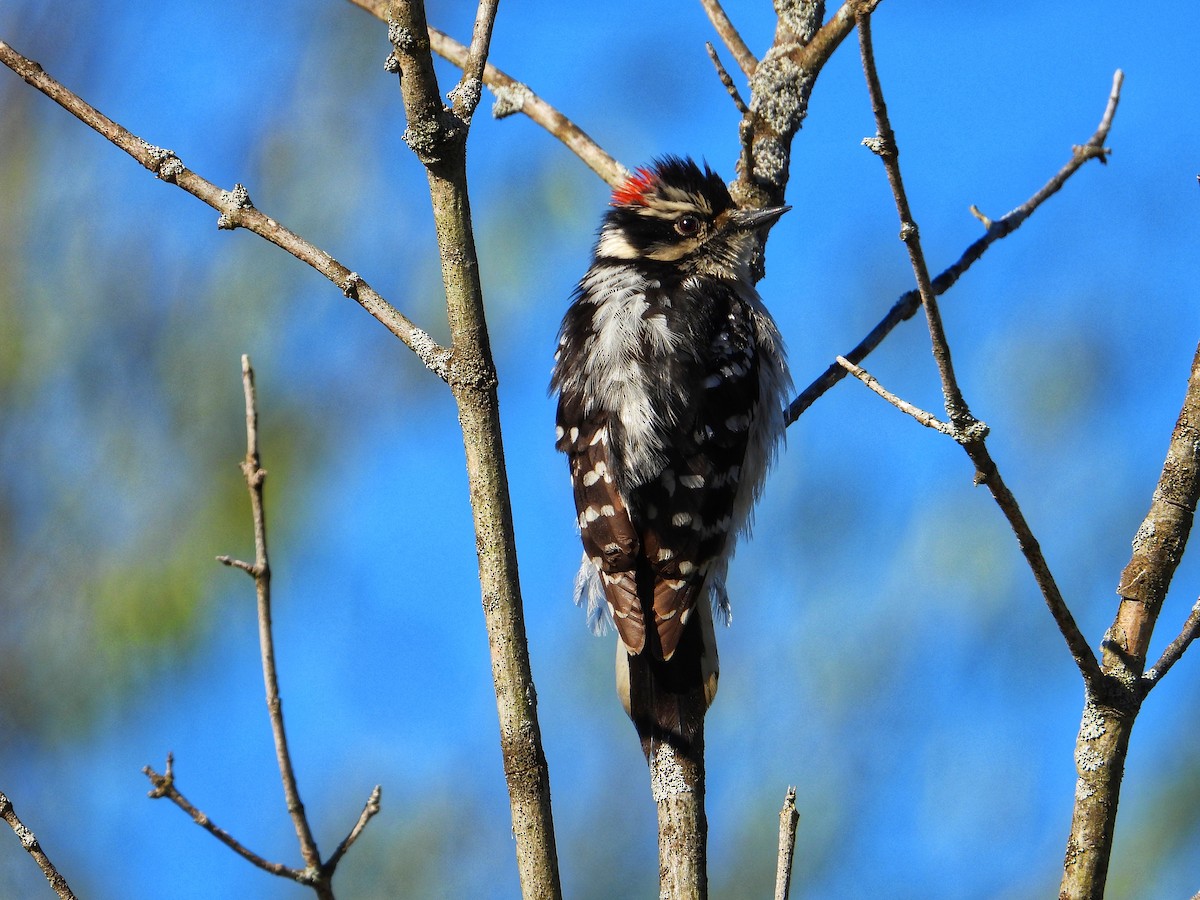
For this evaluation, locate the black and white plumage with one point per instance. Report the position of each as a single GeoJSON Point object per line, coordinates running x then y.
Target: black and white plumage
{"type": "Point", "coordinates": [671, 382]}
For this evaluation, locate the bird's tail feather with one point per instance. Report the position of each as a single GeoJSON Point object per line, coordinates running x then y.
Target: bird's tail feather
{"type": "Point", "coordinates": [667, 700]}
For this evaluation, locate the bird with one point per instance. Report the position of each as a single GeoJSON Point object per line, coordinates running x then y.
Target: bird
{"type": "Point", "coordinates": [671, 378]}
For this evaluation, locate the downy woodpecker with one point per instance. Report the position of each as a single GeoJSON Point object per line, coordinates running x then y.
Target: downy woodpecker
{"type": "Point", "coordinates": [671, 382]}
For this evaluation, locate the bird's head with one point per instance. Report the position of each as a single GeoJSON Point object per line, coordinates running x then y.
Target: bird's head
{"type": "Point", "coordinates": [674, 212]}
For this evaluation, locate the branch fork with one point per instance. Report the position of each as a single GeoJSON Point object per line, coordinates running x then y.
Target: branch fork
{"type": "Point", "coordinates": [315, 873]}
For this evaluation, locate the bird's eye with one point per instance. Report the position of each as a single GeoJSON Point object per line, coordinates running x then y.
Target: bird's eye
{"type": "Point", "coordinates": [687, 225]}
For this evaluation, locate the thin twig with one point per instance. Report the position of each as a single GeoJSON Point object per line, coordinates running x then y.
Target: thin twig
{"type": "Point", "coordinates": [512, 96]}
{"type": "Point", "coordinates": [235, 208]}
{"type": "Point", "coordinates": [967, 430]}
{"type": "Point", "coordinates": [315, 874]}
{"type": "Point", "coordinates": [481, 42]}
{"type": "Point", "coordinates": [369, 812]}
{"type": "Point", "coordinates": [884, 146]}
{"type": "Point", "coordinates": [745, 126]}
{"type": "Point", "coordinates": [1170, 656]}
{"type": "Point", "coordinates": [927, 419]}
{"type": "Point", "coordinates": [730, 37]}
{"type": "Point", "coordinates": [987, 474]}
{"type": "Point", "coordinates": [255, 476]}
{"type": "Point", "coordinates": [30, 842]}
{"type": "Point", "coordinates": [726, 80]}
{"type": "Point", "coordinates": [788, 820]}
{"type": "Point", "coordinates": [164, 786]}
{"type": "Point", "coordinates": [910, 301]}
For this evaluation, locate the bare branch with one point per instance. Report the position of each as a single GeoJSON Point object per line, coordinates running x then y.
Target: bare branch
{"type": "Point", "coordinates": [235, 208]}
{"type": "Point", "coordinates": [745, 131]}
{"type": "Point", "coordinates": [315, 874]}
{"type": "Point", "coordinates": [967, 430]}
{"type": "Point", "coordinates": [246, 567]}
{"type": "Point", "coordinates": [987, 474]}
{"type": "Point", "coordinates": [369, 812]}
{"type": "Point", "coordinates": [788, 820]}
{"type": "Point", "coordinates": [1170, 656]}
{"type": "Point", "coordinates": [726, 80]}
{"type": "Point", "coordinates": [30, 842]}
{"type": "Point", "coordinates": [813, 55]}
{"type": "Point", "coordinates": [1157, 548]}
{"type": "Point", "coordinates": [439, 140]}
{"type": "Point", "coordinates": [677, 783]}
{"type": "Point", "coordinates": [164, 786]}
{"type": "Point", "coordinates": [512, 97]}
{"type": "Point", "coordinates": [780, 90]}
{"type": "Point", "coordinates": [910, 301]}
{"type": "Point", "coordinates": [978, 214]}
{"type": "Point", "coordinates": [929, 420]}
{"type": "Point", "coordinates": [884, 145]}
{"type": "Point", "coordinates": [255, 476]}
{"type": "Point", "coordinates": [466, 95]}
{"type": "Point", "coordinates": [730, 37]}
{"type": "Point", "coordinates": [1109, 712]}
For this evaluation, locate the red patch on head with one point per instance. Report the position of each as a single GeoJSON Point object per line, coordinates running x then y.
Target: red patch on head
{"type": "Point", "coordinates": [633, 191]}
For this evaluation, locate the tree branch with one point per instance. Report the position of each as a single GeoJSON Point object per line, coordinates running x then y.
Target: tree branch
{"type": "Point", "coordinates": [788, 820]}
{"type": "Point", "coordinates": [512, 97]}
{"type": "Point", "coordinates": [164, 786]}
{"type": "Point", "coordinates": [1110, 710]}
{"type": "Point", "coordinates": [726, 80]}
{"type": "Point", "coordinates": [928, 419]}
{"type": "Point", "coordinates": [439, 141]}
{"type": "Point", "coordinates": [1158, 545]}
{"type": "Point", "coordinates": [967, 430]}
{"type": "Point", "coordinates": [472, 68]}
{"type": "Point", "coordinates": [1170, 656]}
{"type": "Point", "coordinates": [730, 37]}
{"type": "Point", "coordinates": [884, 145]}
{"type": "Point", "coordinates": [30, 842]}
{"type": "Point", "coordinates": [677, 783]}
{"type": "Point", "coordinates": [909, 302]}
{"type": "Point", "coordinates": [256, 476]}
{"type": "Point", "coordinates": [370, 810]}
{"type": "Point", "coordinates": [316, 874]}
{"type": "Point", "coordinates": [235, 208]}
{"type": "Point", "coordinates": [780, 89]}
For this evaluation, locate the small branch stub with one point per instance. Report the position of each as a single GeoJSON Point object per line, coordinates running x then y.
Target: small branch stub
{"type": "Point", "coordinates": [233, 202]}
{"type": "Point", "coordinates": [165, 165]}
{"type": "Point", "coordinates": [975, 211]}
{"type": "Point", "coordinates": [878, 146]}
{"type": "Point", "coordinates": [350, 285]}
{"type": "Point", "coordinates": [510, 99]}
{"type": "Point", "coordinates": [789, 818]}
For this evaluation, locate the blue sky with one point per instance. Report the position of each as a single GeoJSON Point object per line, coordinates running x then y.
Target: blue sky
{"type": "Point", "coordinates": [889, 653]}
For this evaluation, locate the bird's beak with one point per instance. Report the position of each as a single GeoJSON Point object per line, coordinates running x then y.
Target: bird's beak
{"type": "Point", "coordinates": [753, 219]}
